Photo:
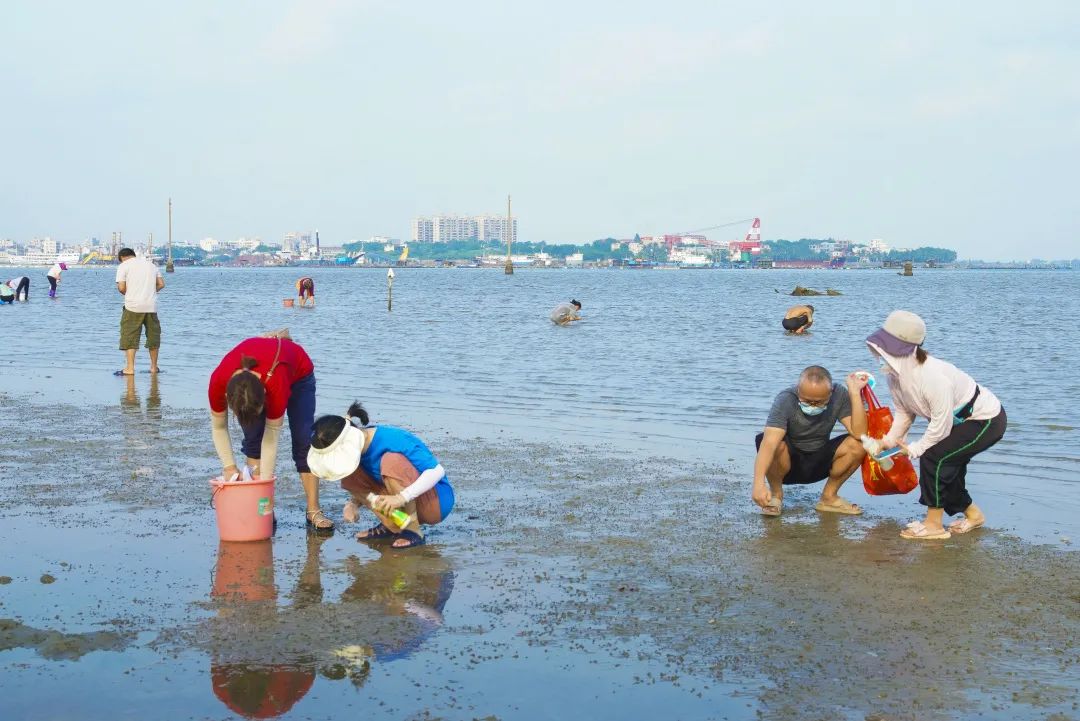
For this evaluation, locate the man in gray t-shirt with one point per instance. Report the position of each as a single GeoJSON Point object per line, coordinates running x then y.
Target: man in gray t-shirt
{"type": "Point", "coordinates": [565, 313]}
{"type": "Point", "coordinates": [796, 447]}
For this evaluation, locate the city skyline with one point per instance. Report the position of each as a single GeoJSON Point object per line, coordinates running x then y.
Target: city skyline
{"type": "Point", "coordinates": [948, 125]}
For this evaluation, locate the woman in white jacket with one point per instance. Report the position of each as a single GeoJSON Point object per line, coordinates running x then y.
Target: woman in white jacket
{"type": "Point", "coordinates": [964, 420]}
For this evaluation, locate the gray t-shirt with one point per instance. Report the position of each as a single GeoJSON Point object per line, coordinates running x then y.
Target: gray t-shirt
{"type": "Point", "coordinates": [564, 313]}
{"type": "Point", "coordinates": [808, 433]}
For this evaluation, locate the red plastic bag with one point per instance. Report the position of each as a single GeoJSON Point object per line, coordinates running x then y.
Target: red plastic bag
{"type": "Point", "coordinates": [901, 478]}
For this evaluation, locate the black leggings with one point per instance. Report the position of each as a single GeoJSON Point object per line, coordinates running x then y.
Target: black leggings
{"type": "Point", "coordinates": [52, 282]}
{"type": "Point", "coordinates": [23, 291]}
{"type": "Point", "coordinates": [943, 468]}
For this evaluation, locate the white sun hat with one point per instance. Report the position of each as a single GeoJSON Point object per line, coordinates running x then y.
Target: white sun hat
{"type": "Point", "coordinates": [341, 457]}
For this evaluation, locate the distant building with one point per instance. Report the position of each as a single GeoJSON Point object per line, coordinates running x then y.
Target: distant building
{"type": "Point", "coordinates": [297, 242]}
{"type": "Point", "coordinates": [423, 230]}
{"type": "Point", "coordinates": [447, 228]}
{"type": "Point", "coordinates": [493, 227]}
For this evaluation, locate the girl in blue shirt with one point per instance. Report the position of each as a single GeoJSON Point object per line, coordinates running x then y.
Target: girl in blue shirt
{"type": "Point", "coordinates": [390, 463]}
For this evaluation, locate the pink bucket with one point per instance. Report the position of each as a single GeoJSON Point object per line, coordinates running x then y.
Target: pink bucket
{"type": "Point", "coordinates": [245, 509]}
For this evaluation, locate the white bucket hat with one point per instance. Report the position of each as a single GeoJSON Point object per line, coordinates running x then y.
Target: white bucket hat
{"type": "Point", "coordinates": [901, 334]}
{"type": "Point", "coordinates": [341, 457]}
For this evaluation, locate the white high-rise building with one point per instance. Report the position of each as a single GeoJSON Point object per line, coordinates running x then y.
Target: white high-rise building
{"type": "Point", "coordinates": [446, 228]}
{"type": "Point", "coordinates": [423, 230]}
{"type": "Point", "coordinates": [296, 242]}
{"type": "Point", "coordinates": [493, 227]}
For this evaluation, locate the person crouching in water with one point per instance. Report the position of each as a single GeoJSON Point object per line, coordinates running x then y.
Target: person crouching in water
{"type": "Point", "coordinates": [796, 448]}
{"type": "Point", "coordinates": [798, 319]}
{"type": "Point", "coordinates": [388, 462]}
{"type": "Point", "coordinates": [566, 313]}
{"type": "Point", "coordinates": [305, 290]}
{"type": "Point", "coordinates": [964, 417]}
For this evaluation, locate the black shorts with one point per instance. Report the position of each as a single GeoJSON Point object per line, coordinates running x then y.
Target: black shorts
{"type": "Point", "coordinates": [793, 324]}
{"type": "Point", "coordinates": [809, 467]}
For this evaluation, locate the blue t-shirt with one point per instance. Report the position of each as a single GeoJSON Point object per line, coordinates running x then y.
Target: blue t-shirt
{"type": "Point", "coordinates": [388, 439]}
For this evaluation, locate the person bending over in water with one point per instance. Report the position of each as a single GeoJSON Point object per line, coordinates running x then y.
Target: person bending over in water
{"type": "Point", "coordinates": [260, 380]}
{"type": "Point", "coordinates": [7, 295]}
{"type": "Point", "coordinates": [795, 447]}
{"type": "Point", "coordinates": [53, 277]}
{"type": "Point", "coordinates": [305, 290]}
{"type": "Point", "coordinates": [566, 313]}
{"type": "Point", "coordinates": [21, 286]}
{"type": "Point", "coordinates": [798, 319]}
{"type": "Point", "coordinates": [964, 417]}
{"type": "Point", "coordinates": [388, 462]}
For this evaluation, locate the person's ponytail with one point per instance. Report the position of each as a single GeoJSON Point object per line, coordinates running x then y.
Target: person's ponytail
{"type": "Point", "coordinates": [921, 355]}
{"type": "Point", "coordinates": [248, 363]}
{"type": "Point", "coordinates": [357, 411]}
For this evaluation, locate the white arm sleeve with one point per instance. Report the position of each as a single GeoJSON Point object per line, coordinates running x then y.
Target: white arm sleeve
{"type": "Point", "coordinates": [424, 483]}
{"type": "Point", "coordinates": [219, 430]}
{"type": "Point", "coordinates": [268, 453]}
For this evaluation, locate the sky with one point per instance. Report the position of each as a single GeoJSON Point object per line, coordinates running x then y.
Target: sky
{"type": "Point", "coordinates": [953, 124]}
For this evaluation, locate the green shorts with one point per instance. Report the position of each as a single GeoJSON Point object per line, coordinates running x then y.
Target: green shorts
{"type": "Point", "coordinates": [131, 325]}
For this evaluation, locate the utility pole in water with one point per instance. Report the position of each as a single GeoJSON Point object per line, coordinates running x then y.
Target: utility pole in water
{"type": "Point", "coordinates": [168, 263]}
{"type": "Point", "coordinates": [509, 269]}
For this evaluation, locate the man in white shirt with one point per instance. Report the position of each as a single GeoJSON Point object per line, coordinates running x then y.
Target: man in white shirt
{"type": "Point", "coordinates": [139, 281]}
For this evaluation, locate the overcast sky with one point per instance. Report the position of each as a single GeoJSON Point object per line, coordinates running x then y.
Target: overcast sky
{"type": "Point", "coordinates": [954, 123]}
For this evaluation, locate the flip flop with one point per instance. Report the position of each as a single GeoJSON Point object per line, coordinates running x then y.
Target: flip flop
{"type": "Point", "coordinates": [413, 538]}
{"type": "Point", "coordinates": [964, 525]}
{"type": "Point", "coordinates": [772, 509]}
{"type": "Point", "coordinates": [917, 531]}
{"type": "Point", "coordinates": [122, 373]}
{"type": "Point", "coordinates": [846, 507]}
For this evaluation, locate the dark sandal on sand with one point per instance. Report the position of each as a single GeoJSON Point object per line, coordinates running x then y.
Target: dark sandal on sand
{"type": "Point", "coordinates": [413, 538]}
{"type": "Point", "coordinates": [317, 520]}
{"type": "Point", "coordinates": [375, 533]}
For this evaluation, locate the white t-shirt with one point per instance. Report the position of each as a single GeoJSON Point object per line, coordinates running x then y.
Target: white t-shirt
{"type": "Point", "coordinates": [141, 277]}
{"type": "Point", "coordinates": [54, 271]}
{"type": "Point", "coordinates": [14, 282]}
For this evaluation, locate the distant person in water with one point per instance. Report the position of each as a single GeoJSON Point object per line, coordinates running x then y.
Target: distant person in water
{"type": "Point", "coordinates": [261, 380]}
{"type": "Point", "coordinates": [798, 319]}
{"type": "Point", "coordinates": [305, 290]}
{"type": "Point", "coordinates": [796, 448]}
{"type": "Point", "coordinates": [54, 277]}
{"type": "Point", "coordinates": [21, 286]}
{"type": "Point", "coordinates": [388, 462]}
{"type": "Point", "coordinates": [963, 420]}
{"type": "Point", "coordinates": [139, 281]}
{"type": "Point", "coordinates": [566, 313]}
{"type": "Point", "coordinates": [7, 295]}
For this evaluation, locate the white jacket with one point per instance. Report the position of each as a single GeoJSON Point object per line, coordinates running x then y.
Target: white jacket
{"type": "Point", "coordinates": [933, 390]}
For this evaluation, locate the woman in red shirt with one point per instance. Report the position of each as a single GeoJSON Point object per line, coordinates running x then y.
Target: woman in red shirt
{"type": "Point", "coordinates": [261, 380]}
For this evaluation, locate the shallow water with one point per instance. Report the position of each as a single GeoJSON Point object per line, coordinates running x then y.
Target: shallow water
{"type": "Point", "coordinates": [603, 558]}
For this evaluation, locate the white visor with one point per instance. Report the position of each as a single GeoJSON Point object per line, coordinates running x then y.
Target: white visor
{"type": "Point", "coordinates": [341, 457]}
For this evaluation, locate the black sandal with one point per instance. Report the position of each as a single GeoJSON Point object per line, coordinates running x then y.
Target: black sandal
{"type": "Point", "coordinates": [375, 533]}
{"type": "Point", "coordinates": [413, 538]}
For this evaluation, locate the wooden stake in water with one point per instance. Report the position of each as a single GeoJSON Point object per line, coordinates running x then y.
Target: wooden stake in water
{"type": "Point", "coordinates": [389, 289]}
{"type": "Point", "coordinates": [509, 268]}
{"type": "Point", "coordinates": [168, 263]}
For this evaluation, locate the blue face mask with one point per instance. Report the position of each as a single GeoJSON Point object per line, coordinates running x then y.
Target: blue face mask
{"type": "Point", "coordinates": [811, 410]}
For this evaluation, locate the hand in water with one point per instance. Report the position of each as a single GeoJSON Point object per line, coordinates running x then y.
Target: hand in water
{"type": "Point", "coordinates": [762, 495]}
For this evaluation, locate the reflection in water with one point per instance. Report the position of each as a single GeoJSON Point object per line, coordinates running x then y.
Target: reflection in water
{"type": "Point", "coordinates": [414, 585]}
{"type": "Point", "coordinates": [244, 580]}
{"type": "Point", "coordinates": [264, 657]}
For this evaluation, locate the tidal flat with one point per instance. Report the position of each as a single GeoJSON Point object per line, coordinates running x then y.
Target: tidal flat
{"type": "Point", "coordinates": [570, 579]}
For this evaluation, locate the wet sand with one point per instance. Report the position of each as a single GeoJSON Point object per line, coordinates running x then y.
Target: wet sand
{"type": "Point", "coordinates": [568, 580]}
